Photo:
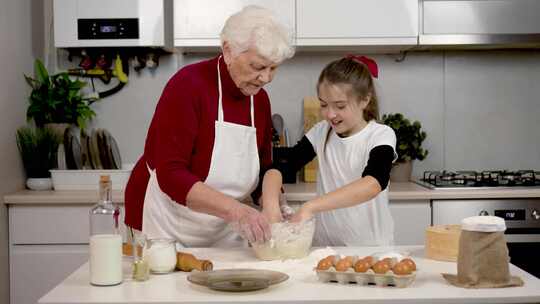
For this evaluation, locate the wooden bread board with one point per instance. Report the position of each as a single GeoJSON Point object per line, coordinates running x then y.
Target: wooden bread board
{"type": "Point", "coordinates": [442, 242]}
{"type": "Point", "coordinates": [311, 117]}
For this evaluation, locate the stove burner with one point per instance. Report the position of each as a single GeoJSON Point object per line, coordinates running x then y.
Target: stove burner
{"type": "Point", "coordinates": [492, 178]}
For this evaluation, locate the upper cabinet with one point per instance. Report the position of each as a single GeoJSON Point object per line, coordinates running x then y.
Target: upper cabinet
{"type": "Point", "coordinates": [350, 23]}
{"type": "Point", "coordinates": [486, 22]}
{"type": "Point", "coordinates": [373, 25]}
{"type": "Point", "coordinates": [357, 23]}
{"type": "Point", "coordinates": [198, 23]}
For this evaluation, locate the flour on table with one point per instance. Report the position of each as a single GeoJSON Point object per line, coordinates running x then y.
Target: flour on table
{"type": "Point", "coordinates": [295, 268]}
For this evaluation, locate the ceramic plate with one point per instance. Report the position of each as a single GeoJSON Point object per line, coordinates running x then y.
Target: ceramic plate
{"type": "Point", "coordinates": [94, 150]}
{"type": "Point", "coordinates": [237, 279]}
{"type": "Point", "coordinates": [113, 151]}
{"type": "Point", "coordinates": [75, 148]}
{"type": "Point", "coordinates": [61, 157]}
{"type": "Point", "coordinates": [70, 163]}
{"type": "Point", "coordinates": [103, 147]}
{"type": "Point", "coordinates": [85, 156]}
{"type": "Point", "coordinates": [89, 154]}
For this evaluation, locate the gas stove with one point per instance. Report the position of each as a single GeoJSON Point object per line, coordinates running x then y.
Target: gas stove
{"type": "Point", "coordinates": [480, 179]}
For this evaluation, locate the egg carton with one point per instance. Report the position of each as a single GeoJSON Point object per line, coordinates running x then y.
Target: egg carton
{"type": "Point", "coordinates": [364, 278]}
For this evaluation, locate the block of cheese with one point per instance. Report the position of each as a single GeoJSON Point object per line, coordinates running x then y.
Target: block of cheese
{"type": "Point", "coordinates": [311, 117]}
{"type": "Point", "coordinates": [442, 242]}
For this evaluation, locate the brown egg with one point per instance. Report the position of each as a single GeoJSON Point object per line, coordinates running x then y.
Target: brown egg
{"type": "Point", "coordinates": [362, 265]}
{"type": "Point", "coordinates": [324, 264]}
{"type": "Point", "coordinates": [409, 262]}
{"type": "Point", "coordinates": [390, 261]}
{"type": "Point", "coordinates": [370, 260]}
{"type": "Point", "coordinates": [402, 268]}
{"type": "Point", "coordinates": [344, 264]}
{"type": "Point", "coordinates": [332, 259]}
{"type": "Point", "coordinates": [381, 267]}
{"type": "Point", "coordinates": [349, 259]}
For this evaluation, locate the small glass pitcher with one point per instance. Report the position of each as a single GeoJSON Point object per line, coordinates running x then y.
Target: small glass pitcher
{"type": "Point", "coordinates": [160, 254]}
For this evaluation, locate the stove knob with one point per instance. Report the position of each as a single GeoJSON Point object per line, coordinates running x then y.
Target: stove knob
{"type": "Point", "coordinates": [535, 214]}
{"type": "Point", "coordinates": [483, 213]}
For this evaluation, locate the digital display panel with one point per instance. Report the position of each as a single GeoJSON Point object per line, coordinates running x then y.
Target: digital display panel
{"type": "Point", "coordinates": [511, 215]}
{"type": "Point", "coordinates": [108, 28]}
{"type": "Point", "coordinates": [127, 28]}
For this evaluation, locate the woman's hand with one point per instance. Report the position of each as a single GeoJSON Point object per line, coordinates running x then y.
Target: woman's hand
{"type": "Point", "coordinates": [250, 223]}
{"type": "Point", "coordinates": [303, 214]}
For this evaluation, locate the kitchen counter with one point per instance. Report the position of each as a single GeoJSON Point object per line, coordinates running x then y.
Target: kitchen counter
{"type": "Point", "coordinates": [301, 287]}
{"type": "Point", "coordinates": [412, 191]}
{"type": "Point", "coordinates": [295, 192]}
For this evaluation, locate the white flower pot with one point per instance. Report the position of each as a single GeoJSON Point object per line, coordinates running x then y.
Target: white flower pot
{"type": "Point", "coordinates": [39, 183]}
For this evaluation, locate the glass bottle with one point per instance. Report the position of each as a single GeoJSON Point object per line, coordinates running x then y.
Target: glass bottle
{"type": "Point", "coordinates": [105, 238]}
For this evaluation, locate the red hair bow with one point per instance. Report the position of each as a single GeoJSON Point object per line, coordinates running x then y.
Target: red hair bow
{"type": "Point", "coordinates": [370, 63]}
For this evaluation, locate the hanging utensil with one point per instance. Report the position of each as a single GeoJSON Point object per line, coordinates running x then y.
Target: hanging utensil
{"type": "Point", "coordinates": [279, 124]}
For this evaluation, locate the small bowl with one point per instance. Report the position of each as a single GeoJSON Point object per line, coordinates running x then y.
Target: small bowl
{"type": "Point", "coordinates": [39, 184]}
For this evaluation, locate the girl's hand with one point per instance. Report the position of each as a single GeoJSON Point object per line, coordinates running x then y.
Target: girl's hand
{"type": "Point", "coordinates": [273, 215]}
{"type": "Point", "coordinates": [302, 215]}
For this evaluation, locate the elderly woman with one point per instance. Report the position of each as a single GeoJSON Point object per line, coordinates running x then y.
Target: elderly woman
{"type": "Point", "coordinates": [209, 142]}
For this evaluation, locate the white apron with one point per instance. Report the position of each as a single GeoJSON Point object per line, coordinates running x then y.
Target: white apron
{"type": "Point", "coordinates": [234, 171]}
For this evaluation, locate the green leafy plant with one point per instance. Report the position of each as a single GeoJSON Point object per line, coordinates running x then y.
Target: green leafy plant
{"type": "Point", "coordinates": [409, 137]}
{"type": "Point", "coordinates": [38, 148]}
{"type": "Point", "coordinates": [56, 99]}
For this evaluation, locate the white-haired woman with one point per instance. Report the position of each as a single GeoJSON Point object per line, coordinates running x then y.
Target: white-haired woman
{"type": "Point", "coordinates": [209, 141]}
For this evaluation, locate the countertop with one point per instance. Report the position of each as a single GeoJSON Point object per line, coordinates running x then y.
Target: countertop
{"type": "Point", "coordinates": [294, 192]}
{"type": "Point", "coordinates": [302, 286]}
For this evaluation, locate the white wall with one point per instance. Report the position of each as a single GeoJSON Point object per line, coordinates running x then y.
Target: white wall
{"type": "Point", "coordinates": [21, 34]}
{"type": "Point", "coordinates": [479, 108]}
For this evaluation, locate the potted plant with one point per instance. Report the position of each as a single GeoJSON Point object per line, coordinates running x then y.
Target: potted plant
{"type": "Point", "coordinates": [56, 99]}
{"type": "Point", "coordinates": [38, 148]}
{"type": "Point", "coordinates": [408, 147]}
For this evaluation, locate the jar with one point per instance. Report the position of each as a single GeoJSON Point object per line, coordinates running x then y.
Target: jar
{"type": "Point", "coordinates": [160, 254]}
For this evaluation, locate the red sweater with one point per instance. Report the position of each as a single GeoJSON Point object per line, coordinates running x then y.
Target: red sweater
{"type": "Point", "coordinates": [180, 139]}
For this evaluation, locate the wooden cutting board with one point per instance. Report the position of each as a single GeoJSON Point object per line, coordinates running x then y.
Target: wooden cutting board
{"type": "Point", "coordinates": [311, 117]}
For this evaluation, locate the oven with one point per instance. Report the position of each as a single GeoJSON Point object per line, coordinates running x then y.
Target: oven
{"type": "Point", "coordinates": [522, 218]}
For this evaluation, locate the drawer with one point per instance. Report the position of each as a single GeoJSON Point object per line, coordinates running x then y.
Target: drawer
{"type": "Point", "coordinates": [51, 224]}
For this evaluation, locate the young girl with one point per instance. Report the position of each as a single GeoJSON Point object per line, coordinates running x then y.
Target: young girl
{"type": "Point", "coordinates": [355, 155]}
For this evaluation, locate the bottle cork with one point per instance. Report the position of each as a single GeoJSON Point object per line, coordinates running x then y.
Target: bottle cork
{"type": "Point", "coordinates": [188, 262]}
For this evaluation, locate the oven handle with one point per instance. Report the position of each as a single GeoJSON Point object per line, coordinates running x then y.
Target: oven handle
{"type": "Point", "coordinates": [522, 238]}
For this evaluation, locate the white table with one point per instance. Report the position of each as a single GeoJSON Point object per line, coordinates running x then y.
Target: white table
{"type": "Point", "coordinates": [302, 286]}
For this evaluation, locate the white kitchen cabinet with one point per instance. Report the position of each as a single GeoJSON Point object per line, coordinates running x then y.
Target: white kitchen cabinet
{"type": "Point", "coordinates": [355, 23]}
{"type": "Point", "coordinates": [198, 23]}
{"type": "Point", "coordinates": [411, 218]}
{"type": "Point", "coordinates": [36, 269]}
{"type": "Point", "coordinates": [47, 243]}
{"type": "Point", "coordinates": [480, 22]}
